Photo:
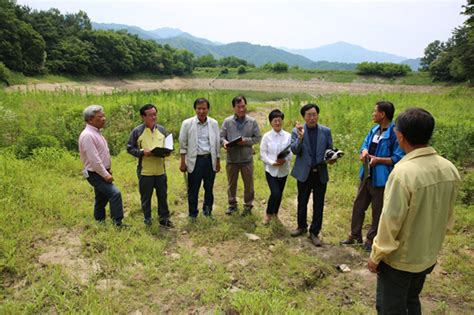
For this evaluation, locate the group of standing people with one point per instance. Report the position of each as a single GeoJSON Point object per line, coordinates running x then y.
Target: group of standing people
{"type": "Point", "coordinates": [412, 203]}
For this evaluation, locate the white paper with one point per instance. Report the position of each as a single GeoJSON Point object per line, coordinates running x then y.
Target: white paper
{"type": "Point", "coordinates": [169, 142]}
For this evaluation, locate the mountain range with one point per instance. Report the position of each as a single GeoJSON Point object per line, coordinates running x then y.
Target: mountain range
{"type": "Point", "coordinates": [336, 56]}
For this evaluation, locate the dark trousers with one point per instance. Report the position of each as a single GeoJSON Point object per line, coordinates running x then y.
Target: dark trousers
{"type": "Point", "coordinates": [398, 291]}
{"type": "Point", "coordinates": [104, 193]}
{"type": "Point", "coordinates": [366, 195]}
{"type": "Point", "coordinates": [312, 184]}
{"type": "Point", "coordinates": [146, 185]}
{"type": "Point", "coordinates": [276, 185]}
{"type": "Point", "coordinates": [203, 172]}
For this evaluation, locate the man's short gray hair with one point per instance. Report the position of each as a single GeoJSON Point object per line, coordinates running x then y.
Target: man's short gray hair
{"type": "Point", "coordinates": [91, 110]}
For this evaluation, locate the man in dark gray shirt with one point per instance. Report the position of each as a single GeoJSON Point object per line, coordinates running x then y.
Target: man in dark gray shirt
{"type": "Point", "coordinates": [239, 133]}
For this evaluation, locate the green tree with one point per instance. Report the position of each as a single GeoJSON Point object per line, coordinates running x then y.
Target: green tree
{"type": "Point", "coordinates": [232, 62]}
{"type": "Point", "coordinates": [456, 61]}
{"type": "Point", "coordinates": [22, 49]}
{"type": "Point", "coordinates": [432, 51]}
{"type": "Point", "coordinates": [206, 61]}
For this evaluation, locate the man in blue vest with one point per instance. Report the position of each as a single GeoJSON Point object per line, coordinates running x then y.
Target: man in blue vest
{"type": "Point", "coordinates": [380, 151]}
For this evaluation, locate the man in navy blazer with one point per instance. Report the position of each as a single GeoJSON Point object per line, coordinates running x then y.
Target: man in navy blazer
{"type": "Point", "coordinates": [309, 144]}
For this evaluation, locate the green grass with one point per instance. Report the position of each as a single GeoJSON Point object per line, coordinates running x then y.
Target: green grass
{"type": "Point", "coordinates": [340, 76]}
{"type": "Point", "coordinates": [55, 259]}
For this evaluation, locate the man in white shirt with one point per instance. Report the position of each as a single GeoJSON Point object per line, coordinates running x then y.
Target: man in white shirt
{"type": "Point", "coordinates": [199, 144]}
{"type": "Point", "coordinates": [276, 155]}
{"type": "Point", "coordinates": [95, 156]}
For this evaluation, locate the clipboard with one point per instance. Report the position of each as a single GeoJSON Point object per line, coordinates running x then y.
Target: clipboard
{"type": "Point", "coordinates": [161, 152]}
{"type": "Point", "coordinates": [234, 142]}
{"type": "Point", "coordinates": [284, 153]}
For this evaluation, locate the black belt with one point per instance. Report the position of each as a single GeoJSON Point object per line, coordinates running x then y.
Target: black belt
{"type": "Point", "coordinates": [204, 155]}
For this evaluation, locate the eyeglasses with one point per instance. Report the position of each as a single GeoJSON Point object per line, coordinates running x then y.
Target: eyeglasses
{"type": "Point", "coordinates": [311, 115]}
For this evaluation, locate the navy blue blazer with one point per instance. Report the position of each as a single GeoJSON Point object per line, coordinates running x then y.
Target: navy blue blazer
{"type": "Point", "coordinates": [302, 150]}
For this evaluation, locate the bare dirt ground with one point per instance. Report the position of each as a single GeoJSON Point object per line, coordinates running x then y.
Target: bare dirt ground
{"type": "Point", "coordinates": [313, 87]}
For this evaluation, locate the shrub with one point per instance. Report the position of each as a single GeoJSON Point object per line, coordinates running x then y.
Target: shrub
{"type": "Point", "coordinates": [280, 67]}
{"type": "Point", "coordinates": [466, 191]}
{"type": "Point", "coordinates": [224, 70]}
{"type": "Point", "coordinates": [5, 74]}
{"type": "Point", "coordinates": [31, 141]}
{"type": "Point", "coordinates": [241, 70]}
{"type": "Point", "coordinates": [386, 69]}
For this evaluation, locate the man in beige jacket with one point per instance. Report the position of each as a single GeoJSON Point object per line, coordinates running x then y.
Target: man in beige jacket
{"type": "Point", "coordinates": [418, 208]}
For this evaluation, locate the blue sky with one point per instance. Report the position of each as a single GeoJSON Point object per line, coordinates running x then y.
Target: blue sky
{"type": "Point", "coordinates": [401, 27]}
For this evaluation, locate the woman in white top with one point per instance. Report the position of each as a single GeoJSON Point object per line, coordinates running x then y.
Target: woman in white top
{"type": "Point", "coordinates": [276, 155]}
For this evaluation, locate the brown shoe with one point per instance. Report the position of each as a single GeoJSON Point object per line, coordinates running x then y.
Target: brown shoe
{"type": "Point", "coordinates": [298, 232]}
{"type": "Point", "coordinates": [315, 240]}
{"type": "Point", "coordinates": [351, 240]}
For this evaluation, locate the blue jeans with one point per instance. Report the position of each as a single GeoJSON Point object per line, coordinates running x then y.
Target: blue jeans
{"type": "Point", "coordinates": [106, 192]}
{"type": "Point", "coordinates": [146, 185]}
{"type": "Point", "coordinates": [312, 184]}
{"type": "Point", "coordinates": [398, 291]}
{"type": "Point", "coordinates": [276, 185]}
{"type": "Point", "coordinates": [203, 172]}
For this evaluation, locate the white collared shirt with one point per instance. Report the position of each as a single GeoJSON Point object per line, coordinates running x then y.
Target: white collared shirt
{"type": "Point", "coordinates": [272, 144]}
{"type": "Point", "coordinates": [204, 144]}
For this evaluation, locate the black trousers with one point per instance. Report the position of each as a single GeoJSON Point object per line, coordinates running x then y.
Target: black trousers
{"type": "Point", "coordinates": [146, 185]}
{"type": "Point", "coordinates": [398, 291]}
{"type": "Point", "coordinates": [276, 185]}
{"type": "Point", "coordinates": [312, 184]}
{"type": "Point", "coordinates": [203, 172]}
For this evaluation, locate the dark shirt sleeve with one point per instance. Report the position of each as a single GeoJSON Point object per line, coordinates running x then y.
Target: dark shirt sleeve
{"type": "Point", "coordinates": [132, 146]}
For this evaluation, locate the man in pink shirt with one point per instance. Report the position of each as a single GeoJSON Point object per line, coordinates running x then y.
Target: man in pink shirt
{"type": "Point", "coordinates": [95, 156]}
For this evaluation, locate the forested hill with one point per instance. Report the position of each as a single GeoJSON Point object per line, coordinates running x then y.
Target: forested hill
{"type": "Point", "coordinates": [35, 42]}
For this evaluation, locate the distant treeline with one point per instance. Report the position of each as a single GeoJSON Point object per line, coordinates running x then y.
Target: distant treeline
{"type": "Point", "coordinates": [36, 42]}
{"type": "Point", "coordinates": [453, 60]}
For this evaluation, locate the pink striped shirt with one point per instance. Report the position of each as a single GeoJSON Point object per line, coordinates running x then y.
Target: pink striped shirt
{"type": "Point", "coordinates": [94, 151]}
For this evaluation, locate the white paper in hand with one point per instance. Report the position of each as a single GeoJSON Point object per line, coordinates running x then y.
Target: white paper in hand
{"type": "Point", "coordinates": [169, 142]}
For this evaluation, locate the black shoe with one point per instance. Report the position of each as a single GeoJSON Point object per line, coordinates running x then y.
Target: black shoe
{"type": "Point", "coordinates": [247, 211]}
{"type": "Point", "coordinates": [298, 232]}
{"type": "Point", "coordinates": [147, 222]}
{"type": "Point", "coordinates": [367, 247]}
{"type": "Point", "coordinates": [230, 210]}
{"type": "Point", "coordinates": [167, 223]}
{"type": "Point", "coordinates": [121, 225]}
{"type": "Point", "coordinates": [352, 240]}
{"type": "Point", "coordinates": [207, 211]}
{"type": "Point", "coordinates": [315, 240]}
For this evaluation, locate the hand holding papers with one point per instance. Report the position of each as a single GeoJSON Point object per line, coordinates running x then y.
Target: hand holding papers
{"type": "Point", "coordinates": [166, 150]}
{"type": "Point", "coordinates": [234, 142]}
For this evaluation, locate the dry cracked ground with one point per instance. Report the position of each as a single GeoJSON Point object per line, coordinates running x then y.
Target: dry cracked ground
{"type": "Point", "coordinates": [313, 87]}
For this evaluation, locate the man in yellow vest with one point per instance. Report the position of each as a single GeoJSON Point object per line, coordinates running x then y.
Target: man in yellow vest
{"type": "Point", "coordinates": [151, 170]}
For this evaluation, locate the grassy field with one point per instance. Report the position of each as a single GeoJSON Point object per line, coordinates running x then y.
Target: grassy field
{"type": "Point", "coordinates": [341, 76]}
{"type": "Point", "coordinates": [55, 259]}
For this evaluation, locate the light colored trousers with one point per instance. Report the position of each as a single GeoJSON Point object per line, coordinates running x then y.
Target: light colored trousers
{"type": "Point", "coordinates": [246, 169]}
